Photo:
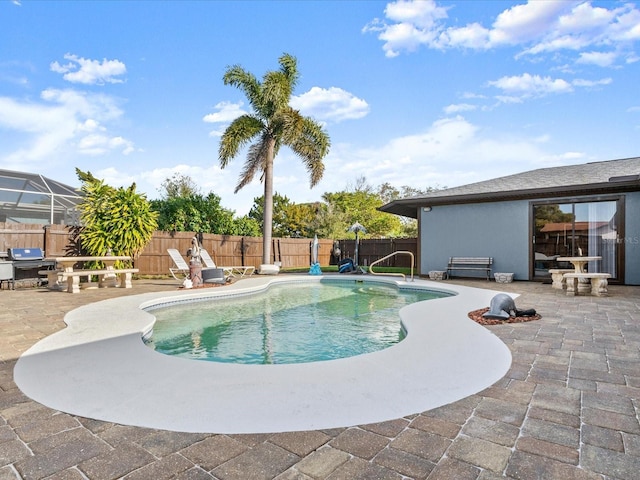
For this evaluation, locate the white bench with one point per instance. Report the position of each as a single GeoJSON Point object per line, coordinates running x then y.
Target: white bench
{"type": "Point", "coordinates": [599, 283]}
{"type": "Point", "coordinates": [470, 263]}
{"type": "Point", "coordinates": [72, 278]}
{"type": "Point", "coordinates": [557, 277]}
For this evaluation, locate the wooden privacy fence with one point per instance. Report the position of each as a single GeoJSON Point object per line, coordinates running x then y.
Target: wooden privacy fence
{"type": "Point", "coordinates": [226, 250]}
{"type": "Point", "coordinates": [55, 240]}
{"type": "Point", "coordinates": [370, 250]}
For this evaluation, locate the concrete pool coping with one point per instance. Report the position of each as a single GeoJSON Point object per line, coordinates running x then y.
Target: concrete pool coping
{"type": "Point", "coordinates": [99, 368]}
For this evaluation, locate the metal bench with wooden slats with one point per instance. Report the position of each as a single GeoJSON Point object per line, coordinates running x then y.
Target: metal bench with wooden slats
{"type": "Point", "coordinates": [470, 263]}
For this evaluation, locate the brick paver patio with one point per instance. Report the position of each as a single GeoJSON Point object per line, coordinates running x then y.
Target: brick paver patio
{"type": "Point", "coordinates": [568, 408]}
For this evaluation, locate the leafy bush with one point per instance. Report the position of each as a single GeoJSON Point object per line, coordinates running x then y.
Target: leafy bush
{"type": "Point", "coordinates": [115, 221]}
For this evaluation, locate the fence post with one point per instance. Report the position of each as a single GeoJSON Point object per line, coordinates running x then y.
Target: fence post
{"type": "Point", "coordinates": [45, 237]}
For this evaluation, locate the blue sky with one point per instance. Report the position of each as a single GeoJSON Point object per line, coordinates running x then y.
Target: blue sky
{"type": "Point", "coordinates": [419, 93]}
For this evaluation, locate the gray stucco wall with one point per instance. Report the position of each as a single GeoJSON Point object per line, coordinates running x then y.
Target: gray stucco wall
{"type": "Point", "coordinates": [632, 239]}
{"type": "Point", "coordinates": [498, 230]}
{"type": "Point", "coordinates": [501, 230]}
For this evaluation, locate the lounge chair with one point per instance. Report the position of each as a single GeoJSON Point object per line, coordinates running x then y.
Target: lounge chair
{"type": "Point", "coordinates": [209, 274]}
{"type": "Point", "coordinates": [181, 267]}
{"type": "Point", "coordinates": [229, 272]}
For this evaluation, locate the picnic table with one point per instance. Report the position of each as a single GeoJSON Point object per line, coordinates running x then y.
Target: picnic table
{"type": "Point", "coordinates": [579, 263]}
{"type": "Point", "coordinates": [581, 281]}
{"type": "Point", "coordinates": [66, 271]}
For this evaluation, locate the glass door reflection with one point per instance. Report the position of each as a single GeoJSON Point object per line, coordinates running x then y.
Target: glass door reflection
{"type": "Point", "coordinates": [576, 229]}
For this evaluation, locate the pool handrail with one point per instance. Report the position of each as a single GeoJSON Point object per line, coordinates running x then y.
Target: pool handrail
{"type": "Point", "coordinates": [404, 277]}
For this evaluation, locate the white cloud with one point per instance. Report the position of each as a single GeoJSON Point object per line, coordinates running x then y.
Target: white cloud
{"type": "Point", "coordinates": [423, 14]}
{"type": "Point", "coordinates": [226, 112]}
{"type": "Point", "coordinates": [527, 85]}
{"type": "Point", "coordinates": [508, 99]}
{"type": "Point", "coordinates": [147, 181]}
{"type": "Point", "coordinates": [566, 158]}
{"type": "Point", "coordinates": [460, 107]}
{"type": "Point", "coordinates": [586, 18]}
{"type": "Point", "coordinates": [591, 83]}
{"type": "Point", "coordinates": [324, 104]}
{"type": "Point", "coordinates": [413, 24]}
{"type": "Point", "coordinates": [330, 105]}
{"type": "Point", "coordinates": [89, 72]}
{"type": "Point", "coordinates": [99, 106]}
{"type": "Point", "coordinates": [469, 36]}
{"type": "Point", "coordinates": [472, 95]}
{"type": "Point", "coordinates": [216, 132]}
{"type": "Point", "coordinates": [96, 144]}
{"type": "Point", "coordinates": [601, 59]}
{"type": "Point", "coordinates": [585, 26]}
{"type": "Point", "coordinates": [536, 26]}
{"type": "Point", "coordinates": [450, 152]}
{"type": "Point", "coordinates": [112, 177]}
{"type": "Point", "coordinates": [90, 125]}
{"type": "Point", "coordinates": [632, 58]}
{"type": "Point", "coordinates": [209, 179]}
{"type": "Point", "coordinates": [555, 44]}
{"type": "Point", "coordinates": [62, 122]}
{"type": "Point", "coordinates": [527, 22]}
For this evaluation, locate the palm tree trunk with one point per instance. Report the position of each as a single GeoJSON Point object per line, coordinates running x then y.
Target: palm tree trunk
{"type": "Point", "coordinates": [267, 229]}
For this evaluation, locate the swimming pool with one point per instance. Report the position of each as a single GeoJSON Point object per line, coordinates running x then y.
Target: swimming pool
{"type": "Point", "coordinates": [293, 323]}
{"type": "Point", "coordinates": [98, 367]}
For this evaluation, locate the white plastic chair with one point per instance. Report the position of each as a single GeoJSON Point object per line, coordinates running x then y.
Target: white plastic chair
{"type": "Point", "coordinates": [181, 267]}
{"type": "Point", "coordinates": [206, 259]}
{"type": "Point", "coordinates": [229, 272]}
{"type": "Point", "coordinates": [210, 274]}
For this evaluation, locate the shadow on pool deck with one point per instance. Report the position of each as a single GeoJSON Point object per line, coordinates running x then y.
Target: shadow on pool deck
{"type": "Point", "coordinates": [567, 409]}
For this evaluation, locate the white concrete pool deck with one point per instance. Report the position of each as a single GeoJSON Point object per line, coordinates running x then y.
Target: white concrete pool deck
{"type": "Point", "coordinates": [98, 367]}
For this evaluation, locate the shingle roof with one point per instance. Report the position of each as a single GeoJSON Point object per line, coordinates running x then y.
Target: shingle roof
{"type": "Point", "coordinates": [595, 176]}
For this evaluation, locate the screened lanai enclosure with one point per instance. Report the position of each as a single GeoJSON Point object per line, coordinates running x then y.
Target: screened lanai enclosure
{"type": "Point", "coordinates": [35, 199]}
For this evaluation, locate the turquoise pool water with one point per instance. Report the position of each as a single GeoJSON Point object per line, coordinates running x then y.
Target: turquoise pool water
{"type": "Point", "coordinates": [290, 323]}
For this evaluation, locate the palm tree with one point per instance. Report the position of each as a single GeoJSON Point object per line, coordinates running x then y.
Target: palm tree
{"type": "Point", "coordinates": [272, 124]}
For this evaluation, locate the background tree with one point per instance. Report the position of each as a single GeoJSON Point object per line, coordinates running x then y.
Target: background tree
{"type": "Point", "coordinates": [117, 221]}
{"type": "Point", "coordinates": [303, 220]}
{"type": "Point", "coordinates": [194, 213]}
{"type": "Point", "coordinates": [272, 124]}
{"type": "Point", "coordinates": [389, 193]}
{"type": "Point", "coordinates": [362, 207]}
{"type": "Point", "coordinates": [246, 227]}
{"type": "Point", "coordinates": [332, 217]}
{"type": "Point", "coordinates": [182, 209]}
{"type": "Point", "coordinates": [179, 186]}
{"type": "Point", "coordinates": [295, 220]}
{"type": "Point", "coordinates": [332, 222]}
{"type": "Point", "coordinates": [279, 218]}
{"type": "Point", "coordinates": [551, 214]}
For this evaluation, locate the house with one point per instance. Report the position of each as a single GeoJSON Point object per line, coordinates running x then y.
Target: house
{"type": "Point", "coordinates": [528, 220]}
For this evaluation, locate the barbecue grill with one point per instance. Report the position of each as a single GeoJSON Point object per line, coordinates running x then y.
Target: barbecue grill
{"type": "Point", "coordinates": [23, 262]}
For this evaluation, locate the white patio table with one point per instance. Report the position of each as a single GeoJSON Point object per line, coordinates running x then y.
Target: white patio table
{"type": "Point", "coordinates": [579, 263]}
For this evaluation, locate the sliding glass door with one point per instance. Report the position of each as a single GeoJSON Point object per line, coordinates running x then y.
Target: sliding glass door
{"type": "Point", "coordinates": [573, 229]}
